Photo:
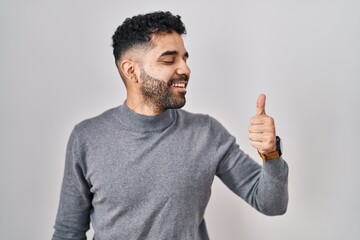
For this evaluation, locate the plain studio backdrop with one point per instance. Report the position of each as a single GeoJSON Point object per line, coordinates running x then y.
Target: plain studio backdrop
{"type": "Point", "coordinates": [57, 69]}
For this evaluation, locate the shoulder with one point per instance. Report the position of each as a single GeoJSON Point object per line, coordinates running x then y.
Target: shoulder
{"type": "Point", "coordinates": [207, 126]}
{"type": "Point", "coordinates": [199, 120]}
{"type": "Point", "coordinates": [96, 124]}
{"type": "Point", "coordinates": [193, 118]}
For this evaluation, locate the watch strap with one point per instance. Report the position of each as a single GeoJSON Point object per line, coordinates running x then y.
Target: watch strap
{"type": "Point", "coordinates": [269, 156]}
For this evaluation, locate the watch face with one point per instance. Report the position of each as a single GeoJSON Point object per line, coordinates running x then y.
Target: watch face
{"type": "Point", "coordinates": [279, 145]}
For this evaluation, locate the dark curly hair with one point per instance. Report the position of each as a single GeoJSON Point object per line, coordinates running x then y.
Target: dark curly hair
{"type": "Point", "coordinates": [138, 30]}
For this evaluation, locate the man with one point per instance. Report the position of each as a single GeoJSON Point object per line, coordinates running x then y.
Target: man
{"type": "Point", "coordinates": [144, 170]}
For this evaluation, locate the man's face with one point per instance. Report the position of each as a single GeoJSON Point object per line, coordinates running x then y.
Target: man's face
{"type": "Point", "coordinates": [164, 73]}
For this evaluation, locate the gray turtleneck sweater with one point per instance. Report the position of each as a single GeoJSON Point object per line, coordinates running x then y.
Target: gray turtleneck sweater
{"type": "Point", "coordinates": [141, 177]}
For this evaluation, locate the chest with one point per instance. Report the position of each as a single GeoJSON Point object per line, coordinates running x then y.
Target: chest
{"type": "Point", "coordinates": [134, 167]}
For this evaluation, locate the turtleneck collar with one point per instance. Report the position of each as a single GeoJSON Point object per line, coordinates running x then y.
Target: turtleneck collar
{"type": "Point", "coordinates": [143, 123]}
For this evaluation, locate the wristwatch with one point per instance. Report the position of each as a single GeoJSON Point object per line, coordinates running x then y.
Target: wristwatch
{"type": "Point", "coordinates": [275, 154]}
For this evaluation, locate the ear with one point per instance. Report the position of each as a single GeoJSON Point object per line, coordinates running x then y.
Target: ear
{"type": "Point", "coordinates": [127, 68]}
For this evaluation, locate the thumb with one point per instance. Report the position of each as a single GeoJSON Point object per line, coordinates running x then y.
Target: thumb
{"type": "Point", "coordinates": [260, 105]}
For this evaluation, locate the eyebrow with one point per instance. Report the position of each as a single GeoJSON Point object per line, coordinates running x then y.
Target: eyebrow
{"type": "Point", "coordinates": [167, 53]}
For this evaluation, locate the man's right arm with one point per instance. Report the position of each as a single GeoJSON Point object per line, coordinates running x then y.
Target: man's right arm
{"type": "Point", "coordinates": [73, 217]}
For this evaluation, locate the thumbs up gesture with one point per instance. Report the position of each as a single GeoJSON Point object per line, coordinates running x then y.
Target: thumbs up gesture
{"type": "Point", "coordinates": [262, 129]}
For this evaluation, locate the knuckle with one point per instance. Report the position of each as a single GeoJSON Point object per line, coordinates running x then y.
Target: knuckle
{"type": "Point", "coordinates": [273, 129]}
{"type": "Point", "coordinates": [270, 120]}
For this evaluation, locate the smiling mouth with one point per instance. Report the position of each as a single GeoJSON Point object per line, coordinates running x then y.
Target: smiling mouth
{"type": "Point", "coordinates": [179, 85]}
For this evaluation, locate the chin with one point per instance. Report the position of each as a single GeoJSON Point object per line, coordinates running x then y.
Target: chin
{"type": "Point", "coordinates": [177, 104]}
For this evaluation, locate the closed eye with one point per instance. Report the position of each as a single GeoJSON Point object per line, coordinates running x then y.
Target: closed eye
{"type": "Point", "coordinates": [169, 62]}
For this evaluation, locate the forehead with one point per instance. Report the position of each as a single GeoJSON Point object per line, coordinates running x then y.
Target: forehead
{"type": "Point", "coordinates": [167, 42]}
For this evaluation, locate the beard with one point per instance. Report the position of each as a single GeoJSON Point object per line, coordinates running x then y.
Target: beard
{"type": "Point", "coordinates": [158, 94]}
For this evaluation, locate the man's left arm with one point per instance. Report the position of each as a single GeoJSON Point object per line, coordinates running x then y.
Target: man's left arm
{"type": "Point", "coordinates": [263, 187]}
{"type": "Point", "coordinates": [262, 134]}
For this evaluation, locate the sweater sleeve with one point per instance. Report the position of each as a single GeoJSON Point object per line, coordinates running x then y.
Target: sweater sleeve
{"type": "Point", "coordinates": [264, 187]}
{"type": "Point", "coordinates": [73, 217]}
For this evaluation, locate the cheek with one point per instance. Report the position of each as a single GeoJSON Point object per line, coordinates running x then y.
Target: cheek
{"type": "Point", "coordinates": [161, 73]}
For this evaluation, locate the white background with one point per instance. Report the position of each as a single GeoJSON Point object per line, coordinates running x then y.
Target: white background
{"type": "Point", "coordinates": [57, 68]}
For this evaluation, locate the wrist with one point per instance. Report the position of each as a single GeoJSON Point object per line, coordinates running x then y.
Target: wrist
{"type": "Point", "coordinates": [274, 154]}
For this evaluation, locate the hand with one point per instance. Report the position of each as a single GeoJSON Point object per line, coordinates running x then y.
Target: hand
{"type": "Point", "coordinates": [262, 129]}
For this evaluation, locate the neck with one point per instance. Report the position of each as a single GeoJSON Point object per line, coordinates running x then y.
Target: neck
{"type": "Point", "coordinates": [142, 123]}
{"type": "Point", "coordinates": [142, 108]}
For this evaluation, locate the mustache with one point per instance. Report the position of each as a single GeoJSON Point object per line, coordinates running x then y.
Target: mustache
{"type": "Point", "coordinates": [182, 77]}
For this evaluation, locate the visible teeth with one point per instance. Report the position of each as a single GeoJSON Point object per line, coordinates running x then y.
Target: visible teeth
{"type": "Point", "coordinates": [182, 85]}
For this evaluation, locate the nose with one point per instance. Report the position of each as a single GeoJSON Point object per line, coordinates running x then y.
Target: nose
{"type": "Point", "coordinates": [183, 68]}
